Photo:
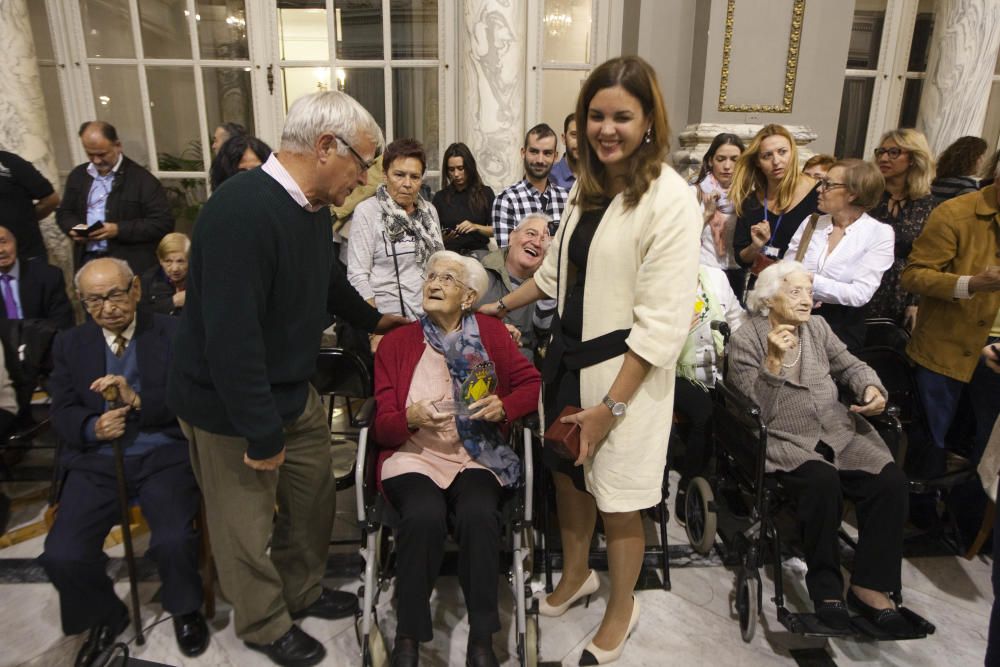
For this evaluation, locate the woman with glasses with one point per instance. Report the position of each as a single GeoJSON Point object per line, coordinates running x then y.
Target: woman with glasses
{"type": "Point", "coordinates": [772, 197]}
{"type": "Point", "coordinates": [904, 159]}
{"type": "Point", "coordinates": [464, 204]}
{"type": "Point", "coordinates": [845, 250]}
{"type": "Point", "coordinates": [393, 234]}
{"type": "Point", "coordinates": [447, 387]}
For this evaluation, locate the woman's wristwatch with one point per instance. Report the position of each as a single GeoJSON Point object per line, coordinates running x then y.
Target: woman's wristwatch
{"type": "Point", "coordinates": [617, 408]}
{"type": "Point", "coordinates": [501, 306]}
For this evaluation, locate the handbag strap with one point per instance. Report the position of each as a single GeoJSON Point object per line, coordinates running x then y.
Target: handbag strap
{"type": "Point", "coordinates": [806, 237]}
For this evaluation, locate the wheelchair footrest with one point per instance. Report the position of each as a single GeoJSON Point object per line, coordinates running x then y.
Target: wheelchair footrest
{"type": "Point", "coordinates": [809, 625]}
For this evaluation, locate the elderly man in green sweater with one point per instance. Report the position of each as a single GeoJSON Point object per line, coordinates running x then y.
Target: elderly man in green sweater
{"type": "Point", "coordinates": [262, 286]}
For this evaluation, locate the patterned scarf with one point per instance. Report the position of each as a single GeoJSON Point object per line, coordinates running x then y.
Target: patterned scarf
{"type": "Point", "coordinates": [463, 350]}
{"type": "Point", "coordinates": [399, 224]}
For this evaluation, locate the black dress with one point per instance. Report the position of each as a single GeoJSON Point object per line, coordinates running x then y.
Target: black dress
{"type": "Point", "coordinates": [454, 208]}
{"type": "Point", "coordinates": [753, 212]}
{"type": "Point", "coordinates": [564, 387]}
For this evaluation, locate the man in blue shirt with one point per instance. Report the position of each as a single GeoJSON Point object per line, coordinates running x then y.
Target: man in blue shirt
{"type": "Point", "coordinates": [564, 171]}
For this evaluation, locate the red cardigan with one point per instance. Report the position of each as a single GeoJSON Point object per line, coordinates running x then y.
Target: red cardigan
{"type": "Point", "coordinates": [518, 382]}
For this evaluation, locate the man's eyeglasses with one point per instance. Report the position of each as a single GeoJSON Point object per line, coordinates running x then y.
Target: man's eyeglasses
{"type": "Point", "coordinates": [363, 163]}
{"type": "Point", "coordinates": [446, 279]}
{"type": "Point", "coordinates": [827, 184]}
{"type": "Point", "coordinates": [116, 297]}
{"type": "Point", "coordinates": [893, 152]}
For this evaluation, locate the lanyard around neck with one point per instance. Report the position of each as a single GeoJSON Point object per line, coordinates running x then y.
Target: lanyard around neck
{"type": "Point", "coordinates": [777, 223]}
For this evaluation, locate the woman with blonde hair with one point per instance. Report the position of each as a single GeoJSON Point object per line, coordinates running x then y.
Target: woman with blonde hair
{"type": "Point", "coordinates": [904, 159]}
{"type": "Point", "coordinates": [629, 231]}
{"type": "Point", "coordinates": [772, 197]}
{"type": "Point", "coordinates": [163, 286]}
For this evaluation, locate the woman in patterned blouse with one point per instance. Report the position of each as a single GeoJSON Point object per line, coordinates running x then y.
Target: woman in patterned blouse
{"type": "Point", "coordinates": [904, 158]}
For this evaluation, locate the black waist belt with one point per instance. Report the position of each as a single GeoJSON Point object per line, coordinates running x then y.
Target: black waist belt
{"type": "Point", "coordinates": [574, 354]}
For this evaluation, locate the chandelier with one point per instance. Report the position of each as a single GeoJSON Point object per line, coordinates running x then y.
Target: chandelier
{"type": "Point", "coordinates": [557, 21]}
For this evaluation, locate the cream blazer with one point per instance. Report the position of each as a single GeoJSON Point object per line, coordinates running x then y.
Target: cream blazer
{"type": "Point", "coordinates": [642, 273]}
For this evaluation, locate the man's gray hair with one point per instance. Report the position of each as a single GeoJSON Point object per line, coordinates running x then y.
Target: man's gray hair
{"type": "Point", "coordinates": [331, 112]}
{"type": "Point", "coordinates": [537, 215]}
{"type": "Point", "coordinates": [122, 265]}
{"type": "Point", "coordinates": [769, 282]}
{"type": "Point", "coordinates": [473, 274]}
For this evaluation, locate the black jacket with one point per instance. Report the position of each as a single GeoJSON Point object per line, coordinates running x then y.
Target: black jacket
{"type": "Point", "coordinates": [158, 292]}
{"type": "Point", "coordinates": [137, 203]}
{"type": "Point", "coordinates": [43, 294]}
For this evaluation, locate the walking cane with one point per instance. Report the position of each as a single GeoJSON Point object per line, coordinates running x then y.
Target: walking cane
{"type": "Point", "coordinates": [113, 398]}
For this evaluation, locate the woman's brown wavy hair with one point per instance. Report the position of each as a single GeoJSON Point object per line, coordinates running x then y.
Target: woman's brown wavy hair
{"type": "Point", "coordinates": [637, 77]}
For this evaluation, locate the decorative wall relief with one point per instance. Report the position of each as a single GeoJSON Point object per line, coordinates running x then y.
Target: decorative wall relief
{"type": "Point", "coordinates": [752, 49]}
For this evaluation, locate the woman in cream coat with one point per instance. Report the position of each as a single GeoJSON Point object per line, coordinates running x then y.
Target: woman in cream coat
{"type": "Point", "coordinates": [633, 224]}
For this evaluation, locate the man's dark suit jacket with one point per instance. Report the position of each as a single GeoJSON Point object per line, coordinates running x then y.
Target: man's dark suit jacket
{"type": "Point", "coordinates": [80, 359]}
{"type": "Point", "coordinates": [43, 294]}
{"type": "Point", "coordinates": [137, 204]}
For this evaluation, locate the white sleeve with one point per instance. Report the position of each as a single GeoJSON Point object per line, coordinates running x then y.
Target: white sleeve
{"type": "Point", "coordinates": [867, 274]}
{"type": "Point", "coordinates": [361, 250]}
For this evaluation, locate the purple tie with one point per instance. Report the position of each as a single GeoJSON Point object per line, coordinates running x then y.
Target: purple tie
{"type": "Point", "coordinates": [8, 297]}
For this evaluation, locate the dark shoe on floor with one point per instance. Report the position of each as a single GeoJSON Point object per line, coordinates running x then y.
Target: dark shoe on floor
{"type": "Point", "coordinates": [833, 614]}
{"type": "Point", "coordinates": [100, 638]}
{"type": "Point", "coordinates": [295, 648]}
{"type": "Point", "coordinates": [406, 653]}
{"type": "Point", "coordinates": [480, 654]}
{"type": "Point", "coordinates": [330, 605]}
{"type": "Point", "coordinates": [887, 620]}
{"type": "Point", "coordinates": [191, 631]}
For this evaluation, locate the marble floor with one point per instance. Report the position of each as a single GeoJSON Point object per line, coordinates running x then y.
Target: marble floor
{"type": "Point", "coordinates": [693, 624]}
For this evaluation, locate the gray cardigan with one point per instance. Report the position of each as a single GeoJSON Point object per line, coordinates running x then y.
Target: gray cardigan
{"type": "Point", "coordinates": [800, 414]}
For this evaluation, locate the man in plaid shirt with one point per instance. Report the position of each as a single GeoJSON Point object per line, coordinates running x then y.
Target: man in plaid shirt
{"type": "Point", "coordinates": [535, 193]}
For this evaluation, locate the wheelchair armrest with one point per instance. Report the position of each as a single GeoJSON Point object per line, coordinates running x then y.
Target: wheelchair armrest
{"type": "Point", "coordinates": [739, 403]}
{"type": "Point", "coordinates": [364, 417]}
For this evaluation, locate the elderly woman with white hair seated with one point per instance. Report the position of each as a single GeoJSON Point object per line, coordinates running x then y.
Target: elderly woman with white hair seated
{"type": "Point", "coordinates": [821, 451]}
{"type": "Point", "coordinates": [447, 386]}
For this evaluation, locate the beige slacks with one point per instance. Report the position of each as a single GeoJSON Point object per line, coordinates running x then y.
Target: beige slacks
{"type": "Point", "coordinates": [240, 508]}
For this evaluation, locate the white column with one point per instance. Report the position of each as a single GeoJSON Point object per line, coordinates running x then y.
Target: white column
{"type": "Point", "coordinates": [24, 127]}
{"type": "Point", "coordinates": [959, 70]}
{"type": "Point", "coordinates": [492, 87]}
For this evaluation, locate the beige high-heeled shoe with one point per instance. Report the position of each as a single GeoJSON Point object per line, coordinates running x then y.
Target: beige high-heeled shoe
{"type": "Point", "coordinates": [587, 588]}
{"type": "Point", "coordinates": [592, 655]}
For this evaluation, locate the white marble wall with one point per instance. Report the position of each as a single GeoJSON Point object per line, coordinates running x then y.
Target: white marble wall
{"type": "Point", "coordinates": [962, 56]}
{"type": "Point", "coordinates": [695, 140]}
{"type": "Point", "coordinates": [24, 125]}
{"type": "Point", "coordinates": [492, 87]}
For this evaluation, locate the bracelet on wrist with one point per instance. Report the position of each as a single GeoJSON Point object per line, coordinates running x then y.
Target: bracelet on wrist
{"type": "Point", "coordinates": [501, 306]}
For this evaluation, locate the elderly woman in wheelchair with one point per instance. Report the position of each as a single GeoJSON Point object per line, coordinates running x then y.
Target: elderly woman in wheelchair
{"type": "Point", "coordinates": [821, 451]}
{"type": "Point", "coordinates": [446, 388]}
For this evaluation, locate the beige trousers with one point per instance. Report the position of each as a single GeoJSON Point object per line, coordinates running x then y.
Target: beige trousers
{"type": "Point", "coordinates": [264, 587]}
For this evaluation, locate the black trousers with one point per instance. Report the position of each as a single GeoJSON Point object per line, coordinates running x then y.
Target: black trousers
{"type": "Point", "coordinates": [695, 403]}
{"type": "Point", "coordinates": [993, 642]}
{"type": "Point", "coordinates": [881, 505]}
{"type": "Point", "coordinates": [471, 507]}
{"type": "Point", "coordinates": [74, 557]}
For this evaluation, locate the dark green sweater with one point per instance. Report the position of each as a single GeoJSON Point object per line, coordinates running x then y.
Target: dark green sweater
{"type": "Point", "coordinates": [261, 287]}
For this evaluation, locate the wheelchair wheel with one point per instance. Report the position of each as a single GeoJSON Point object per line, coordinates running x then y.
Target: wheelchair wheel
{"type": "Point", "coordinates": [528, 645]}
{"type": "Point", "coordinates": [702, 519]}
{"type": "Point", "coordinates": [748, 602]}
{"type": "Point", "coordinates": [374, 652]}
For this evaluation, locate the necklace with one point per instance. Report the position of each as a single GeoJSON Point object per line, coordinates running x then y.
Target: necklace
{"type": "Point", "coordinates": [797, 357]}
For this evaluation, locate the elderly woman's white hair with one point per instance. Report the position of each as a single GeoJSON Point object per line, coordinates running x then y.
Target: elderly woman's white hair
{"type": "Point", "coordinates": [330, 112]}
{"type": "Point", "coordinates": [769, 283]}
{"type": "Point", "coordinates": [473, 274]}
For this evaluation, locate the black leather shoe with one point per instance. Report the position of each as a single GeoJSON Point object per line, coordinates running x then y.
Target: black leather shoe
{"type": "Point", "coordinates": [330, 605]}
{"type": "Point", "coordinates": [406, 653]}
{"type": "Point", "coordinates": [833, 614]}
{"type": "Point", "coordinates": [100, 638]}
{"type": "Point", "coordinates": [887, 620]}
{"type": "Point", "coordinates": [480, 654]}
{"type": "Point", "coordinates": [191, 631]}
{"type": "Point", "coordinates": [295, 648]}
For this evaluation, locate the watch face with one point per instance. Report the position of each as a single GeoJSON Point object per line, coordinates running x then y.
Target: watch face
{"type": "Point", "coordinates": [618, 410]}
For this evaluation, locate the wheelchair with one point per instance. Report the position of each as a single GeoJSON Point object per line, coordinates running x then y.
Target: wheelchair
{"type": "Point", "coordinates": [377, 518]}
{"type": "Point", "coordinates": [741, 504]}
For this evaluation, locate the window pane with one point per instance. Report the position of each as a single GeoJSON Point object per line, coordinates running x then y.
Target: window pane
{"type": "Point", "coordinates": [359, 29]}
{"type": "Point", "coordinates": [854, 109]}
{"type": "Point", "coordinates": [991, 128]}
{"type": "Point", "coordinates": [40, 31]}
{"type": "Point", "coordinates": [222, 29]}
{"type": "Point", "coordinates": [367, 86]}
{"type": "Point", "coordinates": [414, 29]}
{"type": "Point", "coordinates": [116, 98]}
{"type": "Point", "coordinates": [866, 35]}
{"type": "Point", "coordinates": [921, 45]}
{"type": "Point", "coordinates": [566, 30]}
{"type": "Point", "coordinates": [303, 34]}
{"type": "Point", "coordinates": [186, 196]}
{"type": "Point", "coordinates": [164, 25]}
{"type": "Point", "coordinates": [299, 81]}
{"type": "Point", "coordinates": [107, 28]}
{"type": "Point", "coordinates": [911, 103]}
{"type": "Point", "coordinates": [57, 121]}
{"type": "Point", "coordinates": [228, 97]}
{"type": "Point", "coordinates": [175, 118]}
{"type": "Point", "coordinates": [560, 88]}
{"type": "Point", "coordinates": [415, 108]}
